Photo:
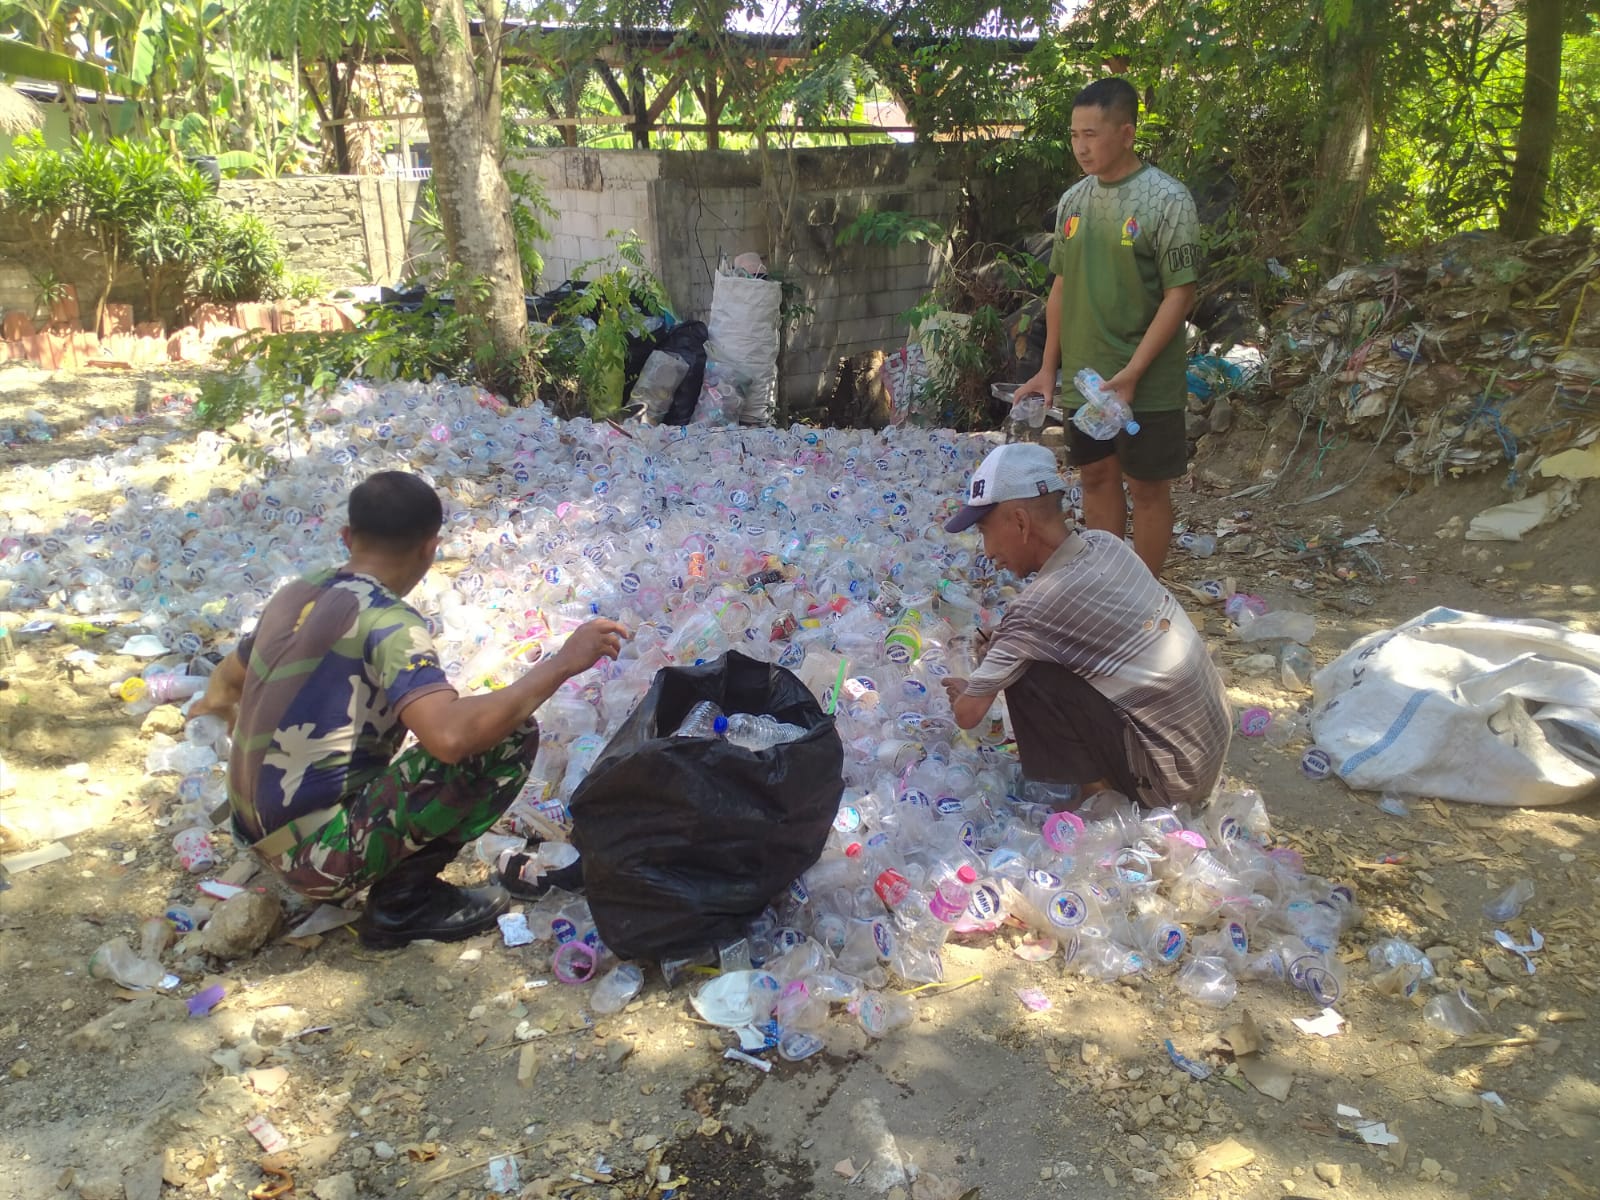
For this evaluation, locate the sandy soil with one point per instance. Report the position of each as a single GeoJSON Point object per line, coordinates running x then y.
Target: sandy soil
{"type": "Point", "coordinates": [395, 1075]}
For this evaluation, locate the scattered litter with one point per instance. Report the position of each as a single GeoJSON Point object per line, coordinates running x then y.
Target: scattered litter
{"type": "Point", "coordinates": [1328, 1024]}
{"type": "Point", "coordinates": [1188, 1065]}
{"type": "Point", "coordinates": [267, 1135]}
{"type": "Point", "coordinates": [1253, 722]}
{"type": "Point", "coordinates": [1373, 1133]}
{"type": "Point", "coordinates": [27, 860]}
{"type": "Point", "coordinates": [1394, 804]}
{"type": "Point", "coordinates": [514, 929]}
{"type": "Point", "coordinates": [201, 1003]}
{"type": "Point", "coordinates": [1509, 522]}
{"type": "Point", "coordinates": [749, 1060]}
{"type": "Point", "coordinates": [218, 890]}
{"type": "Point", "coordinates": [1534, 945]}
{"type": "Point", "coordinates": [1454, 1014]}
{"type": "Point", "coordinates": [1036, 947]}
{"type": "Point", "coordinates": [1508, 905]}
{"type": "Point", "coordinates": [503, 1176]}
{"type": "Point", "coordinates": [1034, 1000]}
{"type": "Point", "coordinates": [324, 918]}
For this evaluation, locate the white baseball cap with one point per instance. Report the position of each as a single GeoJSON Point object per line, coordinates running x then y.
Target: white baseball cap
{"type": "Point", "coordinates": [1018, 471]}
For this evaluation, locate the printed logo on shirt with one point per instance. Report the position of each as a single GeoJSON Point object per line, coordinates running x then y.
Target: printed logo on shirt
{"type": "Point", "coordinates": [1130, 231]}
{"type": "Point", "coordinates": [1069, 227]}
{"type": "Point", "coordinates": [1181, 258]}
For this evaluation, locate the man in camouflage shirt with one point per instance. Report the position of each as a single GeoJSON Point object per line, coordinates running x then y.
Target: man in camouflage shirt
{"type": "Point", "coordinates": [320, 698]}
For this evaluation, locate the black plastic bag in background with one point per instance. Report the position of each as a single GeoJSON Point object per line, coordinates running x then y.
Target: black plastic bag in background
{"type": "Point", "coordinates": [684, 840]}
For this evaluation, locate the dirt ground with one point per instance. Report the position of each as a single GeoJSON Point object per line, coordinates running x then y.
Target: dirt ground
{"type": "Point", "coordinates": [396, 1075]}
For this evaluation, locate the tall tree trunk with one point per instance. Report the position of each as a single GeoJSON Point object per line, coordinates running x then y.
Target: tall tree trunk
{"type": "Point", "coordinates": [1347, 148]}
{"type": "Point", "coordinates": [339, 108]}
{"type": "Point", "coordinates": [462, 110]}
{"type": "Point", "coordinates": [1536, 134]}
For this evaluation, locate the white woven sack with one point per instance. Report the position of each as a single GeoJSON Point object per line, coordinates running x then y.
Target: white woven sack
{"type": "Point", "coordinates": [1488, 710]}
{"type": "Point", "coordinates": [744, 333]}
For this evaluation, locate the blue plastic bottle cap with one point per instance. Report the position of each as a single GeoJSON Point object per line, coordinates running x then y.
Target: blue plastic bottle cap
{"type": "Point", "coordinates": [720, 724]}
{"type": "Point", "coordinates": [1132, 427]}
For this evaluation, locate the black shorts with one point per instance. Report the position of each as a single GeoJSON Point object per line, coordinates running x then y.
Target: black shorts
{"type": "Point", "coordinates": [1159, 451]}
{"type": "Point", "coordinates": [1068, 732]}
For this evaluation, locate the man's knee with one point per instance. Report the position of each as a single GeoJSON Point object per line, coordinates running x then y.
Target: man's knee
{"type": "Point", "coordinates": [1103, 475]}
{"type": "Point", "coordinates": [1149, 491]}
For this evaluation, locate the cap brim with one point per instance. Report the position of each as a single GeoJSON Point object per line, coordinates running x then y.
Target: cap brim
{"type": "Point", "coordinates": [968, 516]}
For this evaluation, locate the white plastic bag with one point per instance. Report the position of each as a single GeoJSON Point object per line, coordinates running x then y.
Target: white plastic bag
{"type": "Point", "coordinates": [658, 379]}
{"type": "Point", "coordinates": [744, 334]}
{"type": "Point", "coordinates": [1486, 710]}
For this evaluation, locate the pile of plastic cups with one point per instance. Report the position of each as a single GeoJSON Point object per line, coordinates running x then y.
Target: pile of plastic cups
{"type": "Point", "coordinates": [821, 550]}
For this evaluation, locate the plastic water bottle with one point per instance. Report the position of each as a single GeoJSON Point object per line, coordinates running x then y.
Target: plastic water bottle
{"type": "Point", "coordinates": [704, 720]}
{"type": "Point", "coordinates": [616, 988]}
{"type": "Point", "coordinates": [758, 731]}
{"type": "Point", "coordinates": [1103, 415]}
{"type": "Point", "coordinates": [949, 901]}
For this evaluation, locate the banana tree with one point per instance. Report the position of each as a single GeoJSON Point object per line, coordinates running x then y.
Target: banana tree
{"type": "Point", "coordinates": [40, 44]}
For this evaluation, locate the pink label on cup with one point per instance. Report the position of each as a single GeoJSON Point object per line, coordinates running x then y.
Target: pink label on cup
{"type": "Point", "coordinates": [1062, 830]}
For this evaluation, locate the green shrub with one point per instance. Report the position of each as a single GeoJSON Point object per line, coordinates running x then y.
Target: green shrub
{"type": "Point", "coordinates": [133, 202]}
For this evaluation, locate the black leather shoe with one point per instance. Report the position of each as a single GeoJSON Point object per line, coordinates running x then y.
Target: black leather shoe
{"type": "Point", "coordinates": [412, 903]}
{"type": "Point", "coordinates": [568, 878]}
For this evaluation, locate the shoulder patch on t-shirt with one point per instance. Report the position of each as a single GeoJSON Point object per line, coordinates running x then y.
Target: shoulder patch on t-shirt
{"type": "Point", "coordinates": [1069, 227]}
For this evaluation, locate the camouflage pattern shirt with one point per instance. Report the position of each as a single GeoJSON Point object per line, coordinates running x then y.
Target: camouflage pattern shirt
{"type": "Point", "coordinates": [334, 661]}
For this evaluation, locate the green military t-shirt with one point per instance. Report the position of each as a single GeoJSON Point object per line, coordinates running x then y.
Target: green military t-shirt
{"type": "Point", "coordinates": [1118, 248]}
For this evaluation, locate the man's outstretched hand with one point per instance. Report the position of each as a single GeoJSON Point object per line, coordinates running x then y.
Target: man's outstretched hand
{"type": "Point", "coordinates": [589, 643]}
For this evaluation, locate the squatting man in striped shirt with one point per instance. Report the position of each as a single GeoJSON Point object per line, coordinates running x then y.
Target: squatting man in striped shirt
{"type": "Point", "coordinates": [1107, 681]}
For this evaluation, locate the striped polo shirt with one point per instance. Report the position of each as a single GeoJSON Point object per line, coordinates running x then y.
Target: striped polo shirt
{"type": "Point", "coordinates": [1095, 609]}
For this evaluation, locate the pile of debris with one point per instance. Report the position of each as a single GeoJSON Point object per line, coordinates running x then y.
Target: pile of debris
{"type": "Point", "coordinates": [1476, 352]}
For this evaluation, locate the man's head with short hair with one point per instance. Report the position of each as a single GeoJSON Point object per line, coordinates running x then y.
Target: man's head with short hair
{"type": "Point", "coordinates": [1104, 116]}
{"type": "Point", "coordinates": [1114, 96]}
{"type": "Point", "coordinates": [394, 511]}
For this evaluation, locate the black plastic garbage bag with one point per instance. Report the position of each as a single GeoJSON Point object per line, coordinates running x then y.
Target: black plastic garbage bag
{"type": "Point", "coordinates": [685, 839]}
{"type": "Point", "coordinates": [686, 341]}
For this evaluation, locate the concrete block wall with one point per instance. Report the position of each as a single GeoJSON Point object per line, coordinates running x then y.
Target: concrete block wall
{"type": "Point", "coordinates": [693, 208]}
{"type": "Point", "coordinates": [593, 193]}
{"type": "Point", "coordinates": [349, 229]}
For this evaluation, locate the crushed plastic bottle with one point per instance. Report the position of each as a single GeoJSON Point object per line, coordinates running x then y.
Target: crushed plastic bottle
{"type": "Point", "coordinates": [1103, 415]}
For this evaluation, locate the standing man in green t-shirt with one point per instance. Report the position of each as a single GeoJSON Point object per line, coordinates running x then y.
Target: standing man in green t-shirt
{"type": "Point", "coordinates": [1126, 251]}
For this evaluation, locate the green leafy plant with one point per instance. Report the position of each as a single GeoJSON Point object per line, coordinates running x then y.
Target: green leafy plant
{"type": "Point", "coordinates": [304, 285]}
{"type": "Point", "coordinates": [241, 260]}
{"type": "Point", "coordinates": [589, 355]}
{"type": "Point", "coordinates": [133, 202]}
{"type": "Point", "coordinates": [887, 227]}
{"type": "Point", "coordinates": [49, 289]}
